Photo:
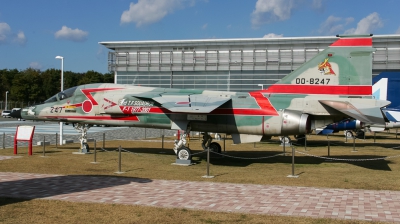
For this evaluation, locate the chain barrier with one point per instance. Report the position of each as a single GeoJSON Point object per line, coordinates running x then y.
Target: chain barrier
{"type": "Point", "coordinates": [349, 160]}
{"type": "Point", "coordinates": [198, 153]}
{"type": "Point", "coordinates": [105, 150]}
{"type": "Point", "coordinates": [124, 150]}
{"type": "Point", "coordinates": [205, 151]}
{"type": "Point", "coordinates": [281, 154]}
{"type": "Point", "coordinates": [302, 145]}
{"type": "Point", "coordinates": [254, 158]}
{"type": "Point", "coordinates": [268, 157]}
{"type": "Point", "coordinates": [331, 142]}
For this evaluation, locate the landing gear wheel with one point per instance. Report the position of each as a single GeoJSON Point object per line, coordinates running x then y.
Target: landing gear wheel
{"type": "Point", "coordinates": [285, 140]}
{"type": "Point", "coordinates": [85, 147]}
{"type": "Point", "coordinates": [184, 153]}
{"type": "Point", "coordinates": [215, 147]}
{"type": "Point", "coordinates": [349, 134]}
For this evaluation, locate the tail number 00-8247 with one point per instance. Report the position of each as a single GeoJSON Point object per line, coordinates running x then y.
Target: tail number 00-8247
{"type": "Point", "coordinates": [313, 81]}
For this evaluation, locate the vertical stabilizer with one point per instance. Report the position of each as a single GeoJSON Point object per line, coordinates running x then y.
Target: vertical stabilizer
{"type": "Point", "coordinates": [386, 87]}
{"type": "Point", "coordinates": [379, 89]}
{"type": "Point", "coordinates": [390, 87]}
{"type": "Point", "coordinates": [344, 68]}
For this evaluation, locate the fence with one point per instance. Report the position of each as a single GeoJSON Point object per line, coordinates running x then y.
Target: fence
{"type": "Point", "coordinates": [16, 104]}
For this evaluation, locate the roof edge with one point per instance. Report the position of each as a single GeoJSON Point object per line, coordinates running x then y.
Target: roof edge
{"type": "Point", "coordinates": [231, 40]}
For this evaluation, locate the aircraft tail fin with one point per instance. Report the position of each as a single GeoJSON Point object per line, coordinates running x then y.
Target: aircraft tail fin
{"type": "Point", "coordinates": [386, 87]}
{"type": "Point", "coordinates": [344, 68]}
{"type": "Point", "coordinates": [379, 89]}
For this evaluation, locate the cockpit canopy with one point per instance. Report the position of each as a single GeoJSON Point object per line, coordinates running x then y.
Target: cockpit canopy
{"type": "Point", "coordinates": [62, 95]}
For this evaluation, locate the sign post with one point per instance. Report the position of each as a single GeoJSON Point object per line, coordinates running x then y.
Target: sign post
{"type": "Point", "coordinates": [25, 134]}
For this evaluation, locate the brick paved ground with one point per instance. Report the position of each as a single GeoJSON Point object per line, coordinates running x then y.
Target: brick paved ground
{"type": "Point", "coordinates": [244, 198]}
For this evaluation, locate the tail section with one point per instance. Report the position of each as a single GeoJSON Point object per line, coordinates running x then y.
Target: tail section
{"type": "Point", "coordinates": [344, 68]}
{"type": "Point", "coordinates": [386, 87]}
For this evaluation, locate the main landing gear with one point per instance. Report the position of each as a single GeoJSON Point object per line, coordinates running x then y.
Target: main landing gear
{"type": "Point", "coordinates": [184, 153]}
{"type": "Point", "coordinates": [83, 128]}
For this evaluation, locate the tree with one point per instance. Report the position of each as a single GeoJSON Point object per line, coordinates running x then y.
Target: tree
{"type": "Point", "coordinates": [71, 79]}
{"type": "Point", "coordinates": [6, 78]}
{"type": "Point", "coordinates": [91, 77]}
{"type": "Point", "coordinates": [27, 86]}
{"type": "Point", "coordinates": [36, 86]}
{"type": "Point", "coordinates": [51, 82]}
{"type": "Point", "coordinates": [108, 77]}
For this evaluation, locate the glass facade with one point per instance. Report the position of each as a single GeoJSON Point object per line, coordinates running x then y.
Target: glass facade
{"type": "Point", "coordinates": [238, 81]}
{"type": "Point", "coordinates": [227, 64]}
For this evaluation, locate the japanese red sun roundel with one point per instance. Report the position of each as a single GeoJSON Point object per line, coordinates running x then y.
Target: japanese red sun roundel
{"type": "Point", "coordinates": [87, 106]}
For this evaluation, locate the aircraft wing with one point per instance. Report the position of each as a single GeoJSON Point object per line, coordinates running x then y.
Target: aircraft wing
{"type": "Point", "coordinates": [369, 114]}
{"type": "Point", "coordinates": [190, 103]}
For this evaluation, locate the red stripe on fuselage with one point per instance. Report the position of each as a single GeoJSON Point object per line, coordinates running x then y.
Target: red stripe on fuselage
{"type": "Point", "coordinates": [266, 109]}
{"type": "Point", "coordinates": [219, 111]}
{"type": "Point", "coordinates": [73, 106]}
{"type": "Point", "coordinates": [245, 112]}
{"type": "Point", "coordinates": [264, 104]}
{"type": "Point", "coordinates": [353, 42]}
{"type": "Point", "coordinates": [87, 93]}
{"type": "Point", "coordinates": [318, 89]}
{"type": "Point", "coordinates": [100, 118]}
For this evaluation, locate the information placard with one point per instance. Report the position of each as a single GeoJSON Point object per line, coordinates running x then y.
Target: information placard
{"type": "Point", "coordinates": [24, 133]}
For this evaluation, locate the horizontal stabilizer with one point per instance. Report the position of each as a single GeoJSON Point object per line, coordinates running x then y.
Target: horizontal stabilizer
{"type": "Point", "coordinates": [369, 114]}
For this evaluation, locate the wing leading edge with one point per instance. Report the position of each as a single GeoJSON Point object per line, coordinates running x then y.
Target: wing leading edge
{"type": "Point", "coordinates": [190, 103]}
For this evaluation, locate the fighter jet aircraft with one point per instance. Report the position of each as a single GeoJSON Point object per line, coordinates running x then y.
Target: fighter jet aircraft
{"type": "Point", "coordinates": [332, 86]}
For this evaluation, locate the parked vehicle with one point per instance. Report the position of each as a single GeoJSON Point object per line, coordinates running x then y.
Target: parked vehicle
{"type": "Point", "coordinates": [5, 113]}
{"type": "Point", "coordinates": [13, 115]}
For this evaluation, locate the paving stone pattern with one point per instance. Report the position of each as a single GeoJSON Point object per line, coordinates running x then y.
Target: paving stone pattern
{"type": "Point", "coordinates": [244, 198]}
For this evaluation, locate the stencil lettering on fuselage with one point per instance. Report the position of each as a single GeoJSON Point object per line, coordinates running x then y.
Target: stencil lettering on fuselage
{"type": "Point", "coordinates": [323, 74]}
{"type": "Point", "coordinates": [125, 102]}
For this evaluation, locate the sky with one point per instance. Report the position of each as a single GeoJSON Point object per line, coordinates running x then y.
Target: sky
{"type": "Point", "coordinates": [33, 33]}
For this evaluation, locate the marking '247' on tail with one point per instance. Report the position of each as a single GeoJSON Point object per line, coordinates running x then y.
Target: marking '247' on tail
{"type": "Point", "coordinates": [344, 68]}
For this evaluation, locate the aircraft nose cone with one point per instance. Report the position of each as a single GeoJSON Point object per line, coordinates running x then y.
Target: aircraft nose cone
{"type": "Point", "coordinates": [16, 114]}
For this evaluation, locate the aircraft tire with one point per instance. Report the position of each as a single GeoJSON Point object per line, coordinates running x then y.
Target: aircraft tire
{"type": "Point", "coordinates": [85, 147]}
{"type": "Point", "coordinates": [349, 134]}
{"type": "Point", "coordinates": [184, 153]}
{"type": "Point", "coordinates": [285, 140]}
{"type": "Point", "coordinates": [215, 147]}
